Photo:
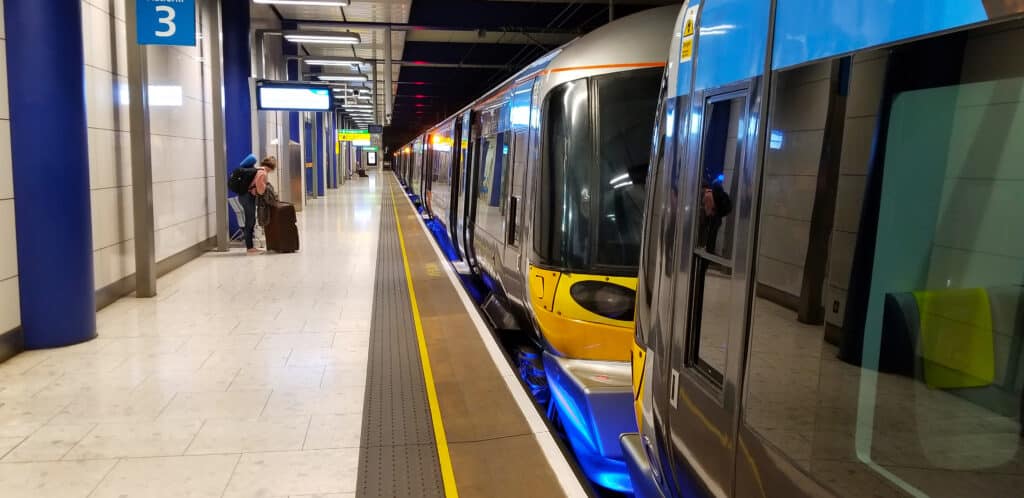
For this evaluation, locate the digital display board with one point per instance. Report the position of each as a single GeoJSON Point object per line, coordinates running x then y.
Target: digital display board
{"type": "Point", "coordinates": [279, 96]}
{"type": "Point", "coordinates": [371, 158]}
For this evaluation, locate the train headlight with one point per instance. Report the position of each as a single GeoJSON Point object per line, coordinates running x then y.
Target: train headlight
{"type": "Point", "coordinates": [605, 299]}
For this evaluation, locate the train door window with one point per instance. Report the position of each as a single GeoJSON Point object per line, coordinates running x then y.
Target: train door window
{"type": "Point", "coordinates": [625, 112]}
{"type": "Point", "coordinates": [491, 192]}
{"type": "Point", "coordinates": [562, 212]}
{"type": "Point", "coordinates": [887, 335]}
{"type": "Point", "coordinates": [712, 297]}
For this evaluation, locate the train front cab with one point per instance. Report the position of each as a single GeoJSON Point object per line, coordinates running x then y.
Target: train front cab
{"type": "Point", "coordinates": [831, 297]}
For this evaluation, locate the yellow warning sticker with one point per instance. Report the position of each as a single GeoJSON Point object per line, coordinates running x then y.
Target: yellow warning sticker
{"type": "Point", "coordinates": [689, 30]}
{"type": "Point", "coordinates": [687, 51]}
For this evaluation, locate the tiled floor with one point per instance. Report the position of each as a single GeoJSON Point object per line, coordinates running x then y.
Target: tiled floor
{"type": "Point", "coordinates": [244, 378]}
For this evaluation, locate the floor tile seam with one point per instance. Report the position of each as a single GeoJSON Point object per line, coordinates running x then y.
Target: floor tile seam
{"type": "Point", "coordinates": [195, 436]}
{"type": "Point", "coordinates": [305, 437]}
{"type": "Point", "coordinates": [106, 475]}
{"type": "Point", "coordinates": [231, 476]}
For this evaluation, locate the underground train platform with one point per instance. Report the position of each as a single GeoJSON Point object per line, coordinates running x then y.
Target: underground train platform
{"type": "Point", "coordinates": [511, 248]}
{"type": "Point", "coordinates": [367, 377]}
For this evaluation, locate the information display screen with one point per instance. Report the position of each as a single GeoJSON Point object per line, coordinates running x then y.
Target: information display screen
{"type": "Point", "coordinates": [371, 158]}
{"type": "Point", "coordinates": [272, 96]}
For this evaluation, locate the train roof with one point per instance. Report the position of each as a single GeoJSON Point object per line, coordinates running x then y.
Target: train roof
{"type": "Point", "coordinates": [635, 41]}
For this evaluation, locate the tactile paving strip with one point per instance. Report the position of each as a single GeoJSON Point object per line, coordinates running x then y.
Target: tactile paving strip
{"type": "Point", "coordinates": [398, 453]}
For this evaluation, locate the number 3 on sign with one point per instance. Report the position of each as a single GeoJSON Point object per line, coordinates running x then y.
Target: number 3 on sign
{"type": "Point", "coordinates": [166, 22]}
{"type": "Point", "coordinates": [167, 18]}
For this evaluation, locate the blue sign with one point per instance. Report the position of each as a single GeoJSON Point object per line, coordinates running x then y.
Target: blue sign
{"type": "Point", "coordinates": [375, 128]}
{"type": "Point", "coordinates": [166, 22]}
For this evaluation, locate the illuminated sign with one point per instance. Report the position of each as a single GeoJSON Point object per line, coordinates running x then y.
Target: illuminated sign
{"type": "Point", "coordinates": [357, 137]}
{"type": "Point", "coordinates": [272, 96]}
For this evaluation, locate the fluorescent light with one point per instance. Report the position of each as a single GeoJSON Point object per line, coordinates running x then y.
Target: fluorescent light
{"type": "Point", "coordinates": [165, 96]}
{"type": "Point", "coordinates": [326, 3]}
{"type": "Point", "coordinates": [342, 77]}
{"type": "Point", "coordinates": [332, 61]}
{"type": "Point", "coordinates": [324, 37]}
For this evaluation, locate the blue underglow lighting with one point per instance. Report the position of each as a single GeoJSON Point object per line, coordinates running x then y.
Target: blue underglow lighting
{"type": "Point", "coordinates": [606, 472]}
{"type": "Point", "coordinates": [532, 373]}
{"type": "Point", "coordinates": [489, 282]}
{"type": "Point", "coordinates": [571, 414]}
{"type": "Point", "coordinates": [440, 233]}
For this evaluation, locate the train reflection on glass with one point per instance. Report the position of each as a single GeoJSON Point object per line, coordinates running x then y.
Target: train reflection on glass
{"type": "Point", "coordinates": [831, 296]}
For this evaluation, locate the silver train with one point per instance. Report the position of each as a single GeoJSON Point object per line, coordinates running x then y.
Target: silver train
{"type": "Point", "coordinates": [540, 185]}
{"type": "Point", "coordinates": [831, 297]}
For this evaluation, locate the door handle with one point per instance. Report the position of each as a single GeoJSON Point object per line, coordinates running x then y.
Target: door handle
{"type": "Point", "coordinates": [513, 215]}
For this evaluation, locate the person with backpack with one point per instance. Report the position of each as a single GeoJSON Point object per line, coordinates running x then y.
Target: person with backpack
{"type": "Point", "coordinates": [248, 182]}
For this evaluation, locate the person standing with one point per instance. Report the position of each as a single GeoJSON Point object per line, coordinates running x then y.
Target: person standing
{"type": "Point", "coordinates": [257, 188]}
{"type": "Point", "coordinates": [248, 201]}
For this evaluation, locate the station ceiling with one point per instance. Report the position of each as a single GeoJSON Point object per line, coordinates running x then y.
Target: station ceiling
{"type": "Point", "coordinates": [448, 52]}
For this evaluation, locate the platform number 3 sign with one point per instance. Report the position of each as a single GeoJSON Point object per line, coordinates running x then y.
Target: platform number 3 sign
{"type": "Point", "coordinates": [166, 22]}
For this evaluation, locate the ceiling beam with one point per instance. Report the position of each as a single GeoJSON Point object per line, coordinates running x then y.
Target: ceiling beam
{"type": "Point", "coordinates": [425, 27]}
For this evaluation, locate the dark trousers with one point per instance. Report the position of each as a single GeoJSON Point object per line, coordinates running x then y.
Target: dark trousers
{"type": "Point", "coordinates": [249, 207]}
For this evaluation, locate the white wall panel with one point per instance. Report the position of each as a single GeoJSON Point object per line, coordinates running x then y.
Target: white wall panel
{"type": "Point", "coordinates": [113, 263]}
{"type": "Point", "coordinates": [10, 307]}
{"type": "Point", "coordinates": [10, 304]}
{"type": "Point", "coordinates": [112, 216]}
{"type": "Point", "coordinates": [181, 154]}
{"type": "Point", "coordinates": [110, 158]}
{"type": "Point", "coordinates": [6, 179]}
{"type": "Point", "coordinates": [176, 158]}
{"type": "Point", "coordinates": [106, 109]}
{"type": "Point", "coordinates": [8, 251]}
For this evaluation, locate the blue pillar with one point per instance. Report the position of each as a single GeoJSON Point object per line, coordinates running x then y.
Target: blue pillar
{"type": "Point", "coordinates": [237, 104]}
{"type": "Point", "coordinates": [320, 159]}
{"type": "Point", "coordinates": [46, 85]}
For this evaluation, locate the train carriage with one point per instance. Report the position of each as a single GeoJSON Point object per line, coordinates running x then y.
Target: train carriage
{"type": "Point", "coordinates": [830, 297]}
{"type": "Point", "coordinates": [539, 185]}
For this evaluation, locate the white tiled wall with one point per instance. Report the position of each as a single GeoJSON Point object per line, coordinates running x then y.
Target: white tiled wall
{"type": "Point", "coordinates": [10, 308]}
{"type": "Point", "coordinates": [180, 136]}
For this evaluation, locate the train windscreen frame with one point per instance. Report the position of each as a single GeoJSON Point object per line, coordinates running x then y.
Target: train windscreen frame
{"type": "Point", "coordinates": [590, 218]}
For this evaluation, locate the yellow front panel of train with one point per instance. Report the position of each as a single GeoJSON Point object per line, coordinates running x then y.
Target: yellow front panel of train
{"type": "Point", "coordinates": [571, 329]}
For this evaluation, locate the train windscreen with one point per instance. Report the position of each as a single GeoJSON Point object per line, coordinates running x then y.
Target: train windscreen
{"type": "Point", "coordinates": [589, 213]}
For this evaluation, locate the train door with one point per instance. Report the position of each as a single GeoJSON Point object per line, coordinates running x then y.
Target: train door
{"type": "Point", "coordinates": [468, 188]}
{"type": "Point", "coordinates": [457, 167]}
{"type": "Point", "coordinates": [492, 187]}
{"type": "Point", "coordinates": [518, 160]}
{"type": "Point", "coordinates": [706, 356]}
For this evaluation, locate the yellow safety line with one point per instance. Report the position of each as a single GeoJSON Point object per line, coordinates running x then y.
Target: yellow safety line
{"type": "Point", "coordinates": [447, 475]}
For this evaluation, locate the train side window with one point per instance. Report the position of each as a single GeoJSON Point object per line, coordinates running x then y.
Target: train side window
{"type": "Point", "coordinates": [886, 353]}
{"type": "Point", "coordinates": [626, 107]}
{"type": "Point", "coordinates": [495, 157]}
{"type": "Point", "coordinates": [562, 233]}
{"type": "Point", "coordinates": [711, 302]}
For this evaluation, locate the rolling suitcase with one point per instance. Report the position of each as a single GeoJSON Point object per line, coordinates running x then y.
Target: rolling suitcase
{"type": "Point", "coordinates": [282, 231]}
